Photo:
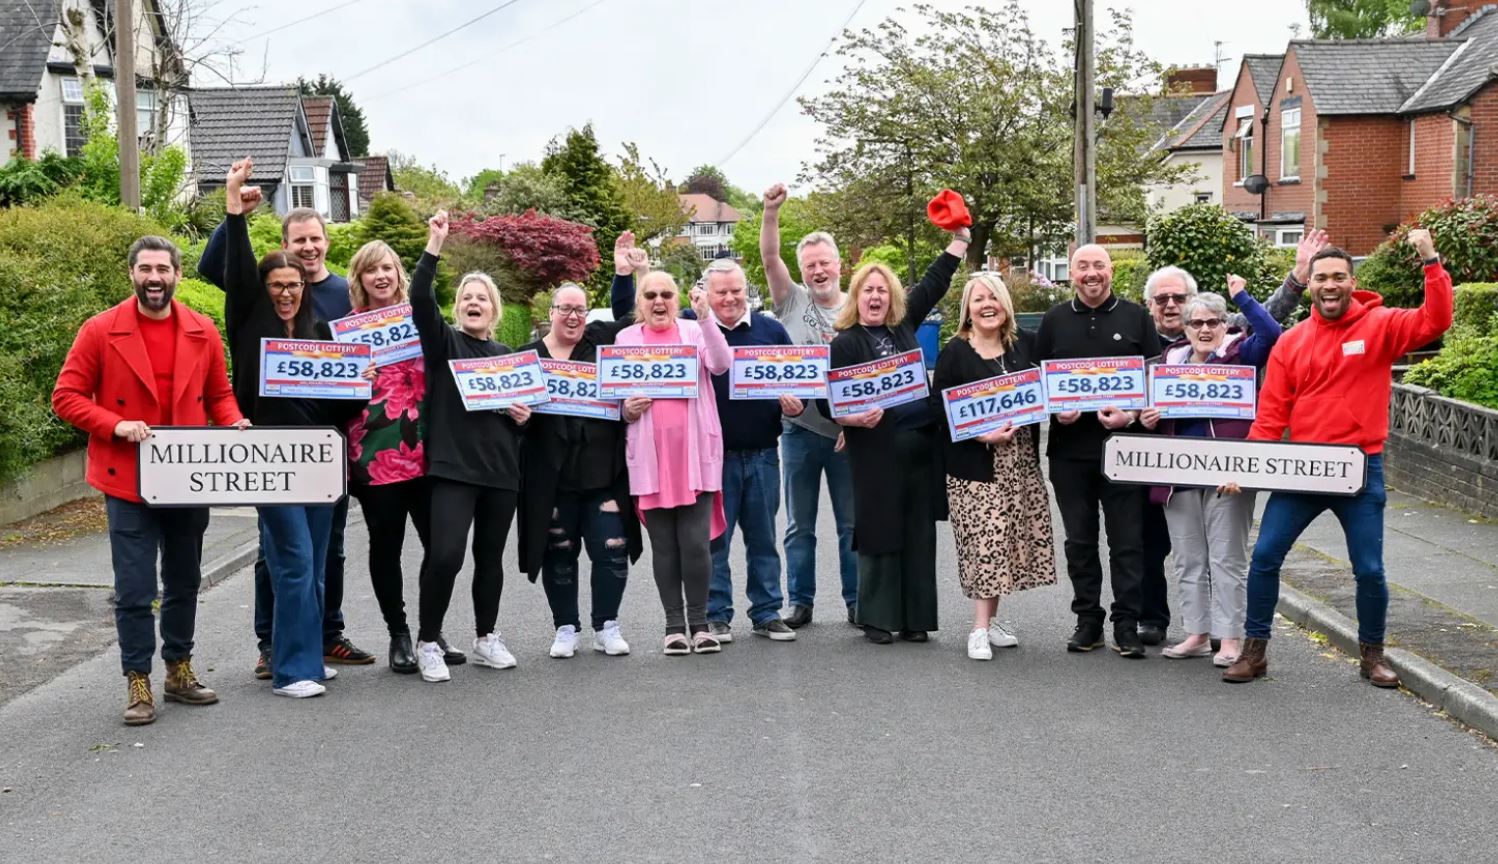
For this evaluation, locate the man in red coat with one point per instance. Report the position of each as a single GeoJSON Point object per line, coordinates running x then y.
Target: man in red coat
{"type": "Point", "coordinates": [1329, 382]}
{"type": "Point", "coordinates": [150, 361]}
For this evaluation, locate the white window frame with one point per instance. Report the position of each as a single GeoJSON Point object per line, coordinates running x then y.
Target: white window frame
{"type": "Point", "coordinates": [303, 182]}
{"type": "Point", "coordinates": [1204, 197]}
{"type": "Point", "coordinates": [145, 112]}
{"type": "Point", "coordinates": [1282, 237]}
{"type": "Point", "coordinates": [1286, 130]}
{"type": "Point", "coordinates": [72, 100]}
{"type": "Point", "coordinates": [1243, 139]}
{"type": "Point", "coordinates": [1410, 167]}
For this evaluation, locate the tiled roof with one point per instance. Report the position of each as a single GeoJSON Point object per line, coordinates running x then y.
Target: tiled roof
{"type": "Point", "coordinates": [1468, 69]}
{"type": "Point", "coordinates": [26, 31]}
{"type": "Point", "coordinates": [1368, 76]}
{"type": "Point", "coordinates": [1202, 128]}
{"type": "Point", "coordinates": [231, 123]}
{"type": "Point", "coordinates": [704, 208]}
{"type": "Point", "coordinates": [318, 109]}
{"type": "Point", "coordinates": [1167, 111]}
{"type": "Point", "coordinates": [374, 178]}
{"type": "Point", "coordinates": [1264, 69]}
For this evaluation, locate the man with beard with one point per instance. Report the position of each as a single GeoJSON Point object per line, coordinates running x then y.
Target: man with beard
{"type": "Point", "coordinates": [304, 235]}
{"type": "Point", "coordinates": [149, 361]}
{"type": "Point", "coordinates": [1328, 382]}
{"type": "Point", "coordinates": [809, 440]}
{"type": "Point", "coordinates": [1097, 323]}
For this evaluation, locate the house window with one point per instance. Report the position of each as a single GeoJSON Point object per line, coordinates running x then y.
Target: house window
{"type": "Point", "coordinates": [1461, 181]}
{"type": "Point", "coordinates": [1409, 170]}
{"type": "Point", "coordinates": [145, 113]}
{"type": "Point", "coordinates": [708, 252]}
{"type": "Point", "coordinates": [1245, 141]}
{"type": "Point", "coordinates": [73, 137]}
{"type": "Point", "coordinates": [302, 179]}
{"type": "Point", "coordinates": [1288, 237]}
{"type": "Point", "coordinates": [1204, 197]}
{"type": "Point", "coordinates": [1290, 144]}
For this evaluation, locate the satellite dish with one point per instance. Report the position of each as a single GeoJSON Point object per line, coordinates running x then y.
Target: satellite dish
{"type": "Point", "coordinates": [1420, 8]}
{"type": "Point", "coordinates": [1255, 184]}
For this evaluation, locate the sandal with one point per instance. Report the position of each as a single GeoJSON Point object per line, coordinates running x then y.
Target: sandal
{"type": "Point", "coordinates": [676, 645]}
{"type": "Point", "coordinates": [704, 642]}
{"type": "Point", "coordinates": [1174, 652]}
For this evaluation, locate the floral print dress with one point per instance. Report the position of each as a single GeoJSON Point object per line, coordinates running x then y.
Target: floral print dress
{"type": "Point", "coordinates": [385, 440]}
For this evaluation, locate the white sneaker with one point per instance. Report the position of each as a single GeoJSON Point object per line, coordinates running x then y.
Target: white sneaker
{"type": "Point", "coordinates": [491, 651]}
{"type": "Point", "coordinates": [565, 645]}
{"type": "Point", "coordinates": [998, 637]}
{"type": "Point", "coordinates": [609, 640]}
{"type": "Point", "coordinates": [429, 661]}
{"type": "Point", "coordinates": [977, 646]}
{"type": "Point", "coordinates": [300, 689]}
{"type": "Point", "coordinates": [329, 673]}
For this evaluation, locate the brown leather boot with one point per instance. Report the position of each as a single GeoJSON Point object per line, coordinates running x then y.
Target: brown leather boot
{"type": "Point", "coordinates": [1251, 663]}
{"type": "Point", "coordinates": [140, 710]}
{"type": "Point", "coordinates": [182, 685]}
{"type": "Point", "coordinates": [1374, 667]}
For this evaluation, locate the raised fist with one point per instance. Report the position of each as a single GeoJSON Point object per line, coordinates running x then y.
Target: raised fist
{"type": "Point", "coordinates": [623, 245]}
{"type": "Point", "coordinates": [1421, 240]}
{"type": "Point", "coordinates": [775, 196]}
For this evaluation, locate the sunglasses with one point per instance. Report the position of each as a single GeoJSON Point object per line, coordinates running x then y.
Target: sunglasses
{"type": "Point", "coordinates": [1209, 323]}
{"type": "Point", "coordinates": [1166, 299]}
{"type": "Point", "coordinates": [658, 295]}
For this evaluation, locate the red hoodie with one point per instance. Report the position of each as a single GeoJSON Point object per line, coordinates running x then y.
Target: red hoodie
{"type": "Point", "coordinates": [1329, 381]}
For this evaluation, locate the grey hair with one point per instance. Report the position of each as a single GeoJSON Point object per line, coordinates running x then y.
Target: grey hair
{"type": "Point", "coordinates": [815, 238]}
{"type": "Point", "coordinates": [1166, 273]}
{"type": "Point", "coordinates": [722, 265]}
{"type": "Point", "coordinates": [1207, 300]}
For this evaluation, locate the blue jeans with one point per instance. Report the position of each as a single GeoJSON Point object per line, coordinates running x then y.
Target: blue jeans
{"type": "Point", "coordinates": [585, 519]}
{"type": "Point", "coordinates": [136, 534]}
{"type": "Point", "coordinates": [1287, 515]}
{"type": "Point", "coordinates": [295, 543]}
{"type": "Point", "coordinates": [751, 496]}
{"type": "Point", "coordinates": [807, 457]}
{"type": "Point", "coordinates": [332, 619]}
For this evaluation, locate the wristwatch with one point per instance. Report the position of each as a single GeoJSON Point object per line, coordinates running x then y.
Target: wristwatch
{"type": "Point", "coordinates": [1434, 259]}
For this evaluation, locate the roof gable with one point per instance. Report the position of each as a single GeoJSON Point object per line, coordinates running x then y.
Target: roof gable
{"type": "Point", "coordinates": [1202, 128]}
{"type": "Point", "coordinates": [374, 177]}
{"type": "Point", "coordinates": [701, 207]}
{"type": "Point", "coordinates": [26, 32]}
{"type": "Point", "coordinates": [319, 110]}
{"type": "Point", "coordinates": [1264, 69]}
{"type": "Point", "coordinates": [1468, 68]}
{"type": "Point", "coordinates": [1368, 76]}
{"type": "Point", "coordinates": [229, 123]}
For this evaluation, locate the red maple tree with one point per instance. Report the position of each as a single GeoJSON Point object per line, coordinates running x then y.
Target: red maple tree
{"type": "Point", "coordinates": [542, 250]}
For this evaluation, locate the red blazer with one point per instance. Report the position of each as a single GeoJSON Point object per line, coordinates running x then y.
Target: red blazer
{"type": "Point", "coordinates": [107, 378]}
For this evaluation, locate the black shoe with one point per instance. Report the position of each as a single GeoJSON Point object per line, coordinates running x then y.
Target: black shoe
{"type": "Point", "coordinates": [800, 617]}
{"type": "Point", "coordinates": [915, 635]}
{"type": "Point", "coordinates": [450, 655]}
{"type": "Point", "coordinates": [1127, 643]}
{"type": "Point", "coordinates": [1087, 636]}
{"type": "Point", "coordinates": [346, 653]}
{"type": "Point", "coordinates": [776, 630]}
{"type": "Point", "coordinates": [402, 657]}
{"type": "Point", "coordinates": [877, 636]}
{"type": "Point", "coordinates": [1151, 634]}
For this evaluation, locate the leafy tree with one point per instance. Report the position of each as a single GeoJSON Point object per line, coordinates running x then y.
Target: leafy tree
{"type": "Point", "coordinates": [429, 186]}
{"type": "Point", "coordinates": [23, 181]}
{"type": "Point", "coordinates": [707, 180]}
{"type": "Point", "coordinates": [524, 187]}
{"type": "Point", "coordinates": [592, 193]}
{"type": "Point", "coordinates": [473, 187]}
{"type": "Point", "coordinates": [1361, 19]}
{"type": "Point", "coordinates": [680, 258]}
{"type": "Point", "coordinates": [649, 197]}
{"type": "Point", "coordinates": [1209, 243]}
{"type": "Point", "coordinates": [890, 121]}
{"type": "Point", "coordinates": [535, 252]}
{"type": "Point", "coordinates": [355, 131]}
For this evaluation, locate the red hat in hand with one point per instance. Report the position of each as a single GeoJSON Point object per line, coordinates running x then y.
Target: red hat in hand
{"type": "Point", "coordinates": [948, 211]}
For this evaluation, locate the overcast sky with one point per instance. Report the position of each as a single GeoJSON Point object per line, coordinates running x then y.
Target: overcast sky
{"type": "Point", "coordinates": [687, 80]}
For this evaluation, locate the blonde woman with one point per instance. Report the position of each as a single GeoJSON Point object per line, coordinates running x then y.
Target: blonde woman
{"type": "Point", "coordinates": [473, 464]}
{"type": "Point", "coordinates": [896, 484]}
{"type": "Point", "coordinates": [996, 496]}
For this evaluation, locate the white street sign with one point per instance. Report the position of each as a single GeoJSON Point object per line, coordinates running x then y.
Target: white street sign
{"type": "Point", "coordinates": [198, 466]}
{"type": "Point", "coordinates": [1154, 460]}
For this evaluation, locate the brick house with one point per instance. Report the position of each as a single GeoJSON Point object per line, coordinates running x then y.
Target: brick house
{"type": "Point", "coordinates": [709, 223]}
{"type": "Point", "coordinates": [1357, 136]}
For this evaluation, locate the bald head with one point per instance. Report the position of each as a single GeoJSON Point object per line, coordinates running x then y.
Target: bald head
{"type": "Point", "coordinates": [1091, 274]}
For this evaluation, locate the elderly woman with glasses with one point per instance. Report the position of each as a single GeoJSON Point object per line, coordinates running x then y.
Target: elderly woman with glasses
{"type": "Point", "coordinates": [575, 489]}
{"type": "Point", "coordinates": [674, 453]}
{"type": "Point", "coordinates": [999, 509]}
{"type": "Point", "coordinates": [1209, 528]}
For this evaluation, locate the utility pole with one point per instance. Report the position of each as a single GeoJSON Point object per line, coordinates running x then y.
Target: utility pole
{"type": "Point", "coordinates": [1085, 159]}
{"type": "Point", "coordinates": [909, 212]}
{"type": "Point", "coordinates": [124, 91]}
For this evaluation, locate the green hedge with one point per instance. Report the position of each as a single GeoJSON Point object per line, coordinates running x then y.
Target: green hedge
{"type": "Point", "coordinates": [1466, 369]}
{"type": "Point", "coordinates": [515, 327]}
{"type": "Point", "coordinates": [1476, 309]}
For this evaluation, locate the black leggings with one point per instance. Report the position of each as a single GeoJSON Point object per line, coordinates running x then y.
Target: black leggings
{"type": "Point", "coordinates": [683, 562]}
{"type": "Point", "coordinates": [455, 507]}
{"type": "Point", "coordinates": [386, 508]}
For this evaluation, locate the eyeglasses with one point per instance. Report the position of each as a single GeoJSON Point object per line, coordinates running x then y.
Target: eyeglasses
{"type": "Point", "coordinates": [571, 311]}
{"type": "Point", "coordinates": [1335, 278]}
{"type": "Point", "coordinates": [1167, 299]}
{"type": "Point", "coordinates": [662, 295]}
{"type": "Point", "coordinates": [1209, 323]}
{"type": "Point", "coordinates": [284, 287]}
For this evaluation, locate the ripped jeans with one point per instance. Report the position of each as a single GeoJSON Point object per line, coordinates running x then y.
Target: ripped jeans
{"type": "Point", "coordinates": [590, 518]}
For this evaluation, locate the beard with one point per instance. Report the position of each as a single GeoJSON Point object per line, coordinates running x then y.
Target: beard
{"type": "Point", "coordinates": [168, 290]}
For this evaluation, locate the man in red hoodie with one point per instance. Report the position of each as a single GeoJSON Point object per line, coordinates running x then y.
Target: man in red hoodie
{"type": "Point", "coordinates": [1329, 382]}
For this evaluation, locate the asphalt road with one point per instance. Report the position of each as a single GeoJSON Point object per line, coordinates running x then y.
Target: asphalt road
{"type": "Point", "coordinates": [826, 749]}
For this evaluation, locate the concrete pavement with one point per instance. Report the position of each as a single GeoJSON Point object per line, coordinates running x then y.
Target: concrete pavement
{"type": "Point", "coordinates": [827, 749]}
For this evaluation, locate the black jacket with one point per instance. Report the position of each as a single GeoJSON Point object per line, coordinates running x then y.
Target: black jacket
{"type": "Point", "coordinates": [959, 364]}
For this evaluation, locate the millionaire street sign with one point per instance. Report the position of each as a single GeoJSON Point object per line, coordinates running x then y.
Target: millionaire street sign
{"type": "Point", "coordinates": [198, 466]}
{"type": "Point", "coordinates": [1153, 460]}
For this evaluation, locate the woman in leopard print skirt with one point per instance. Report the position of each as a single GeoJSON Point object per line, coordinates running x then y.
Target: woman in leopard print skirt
{"type": "Point", "coordinates": [1000, 510]}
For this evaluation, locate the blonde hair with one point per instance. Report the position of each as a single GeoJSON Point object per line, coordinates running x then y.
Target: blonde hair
{"type": "Point", "coordinates": [646, 281]}
{"type": "Point", "coordinates": [896, 314]}
{"type": "Point", "coordinates": [1009, 330]}
{"type": "Point", "coordinates": [493, 291]}
{"type": "Point", "coordinates": [367, 258]}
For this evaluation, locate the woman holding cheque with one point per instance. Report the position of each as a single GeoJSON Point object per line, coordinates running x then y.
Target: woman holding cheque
{"type": "Point", "coordinates": [674, 454]}
{"type": "Point", "coordinates": [1209, 529]}
{"type": "Point", "coordinates": [266, 301]}
{"type": "Point", "coordinates": [473, 463]}
{"type": "Point", "coordinates": [1000, 512]}
{"type": "Point", "coordinates": [896, 487]}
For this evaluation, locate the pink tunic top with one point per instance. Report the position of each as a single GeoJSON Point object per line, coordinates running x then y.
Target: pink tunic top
{"type": "Point", "coordinates": [670, 428]}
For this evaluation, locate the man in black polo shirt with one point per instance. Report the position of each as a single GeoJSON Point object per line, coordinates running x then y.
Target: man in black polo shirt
{"type": "Point", "coordinates": [1096, 323]}
{"type": "Point", "coordinates": [751, 466]}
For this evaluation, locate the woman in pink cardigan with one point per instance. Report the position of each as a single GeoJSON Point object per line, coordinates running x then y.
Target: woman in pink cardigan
{"type": "Point", "coordinates": [674, 451]}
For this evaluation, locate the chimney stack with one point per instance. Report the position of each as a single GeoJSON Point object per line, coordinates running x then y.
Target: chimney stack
{"type": "Point", "coordinates": [1195, 79]}
{"type": "Point", "coordinates": [1447, 15]}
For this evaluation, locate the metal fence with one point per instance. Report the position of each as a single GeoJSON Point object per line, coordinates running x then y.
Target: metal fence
{"type": "Point", "coordinates": [1449, 425]}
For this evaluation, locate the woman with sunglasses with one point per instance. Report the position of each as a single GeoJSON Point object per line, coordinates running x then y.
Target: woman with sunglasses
{"type": "Point", "coordinates": [267, 300]}
{"type": "Point", "coordinates": [674, 453]}
{"type": "Point", "coordinates": [1209, 528]}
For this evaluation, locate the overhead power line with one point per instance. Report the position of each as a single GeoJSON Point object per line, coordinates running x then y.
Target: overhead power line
{"type": "Point", "coordinates": [439, 37]}
{"type": "Point", "coordinates": [289, 24]}
{"type": "Point", "coordinates": [794, 87]}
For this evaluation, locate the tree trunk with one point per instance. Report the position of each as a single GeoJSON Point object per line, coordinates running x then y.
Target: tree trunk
{"type": "Point", "coordinates": [976, 259]}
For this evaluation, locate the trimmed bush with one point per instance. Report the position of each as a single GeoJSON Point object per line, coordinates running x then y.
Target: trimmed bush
{"type": "Point", "coordinates": [1466, 234]}
{"type": "Point", "coordinates": [1476, 309]}
{"type": "Point", "coordinates": [1466, 369]}
{"type": "Point", "coordinates": [515, 327]}
{"type": "Point", "coordinates": [1130, 269]}
{"type": "Point", "coordinates": [1209, 243]}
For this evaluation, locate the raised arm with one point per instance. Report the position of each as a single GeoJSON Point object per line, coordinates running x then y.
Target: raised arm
{"type": "Point", "coordinates": [214, 258]}
{"type": "Point", "coordinates": [777, 276]}
{"type": "Point", "coordinates": [1266, 330]}
{"type": "Point", "coordinates": [1411, 328]}
{"type": "Point", "coordinates": [938, 279]}
{"type": "Point", "coordinates": [1273, 416]}
{"type": "Point", "coordinates": [242, 288]}
{"type": "Point", "coordinates": [715, 352]}
{"type": "Point", "coordinates": [424, 310]}
{"type": "Point", "coordinates": [1285, 298]}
